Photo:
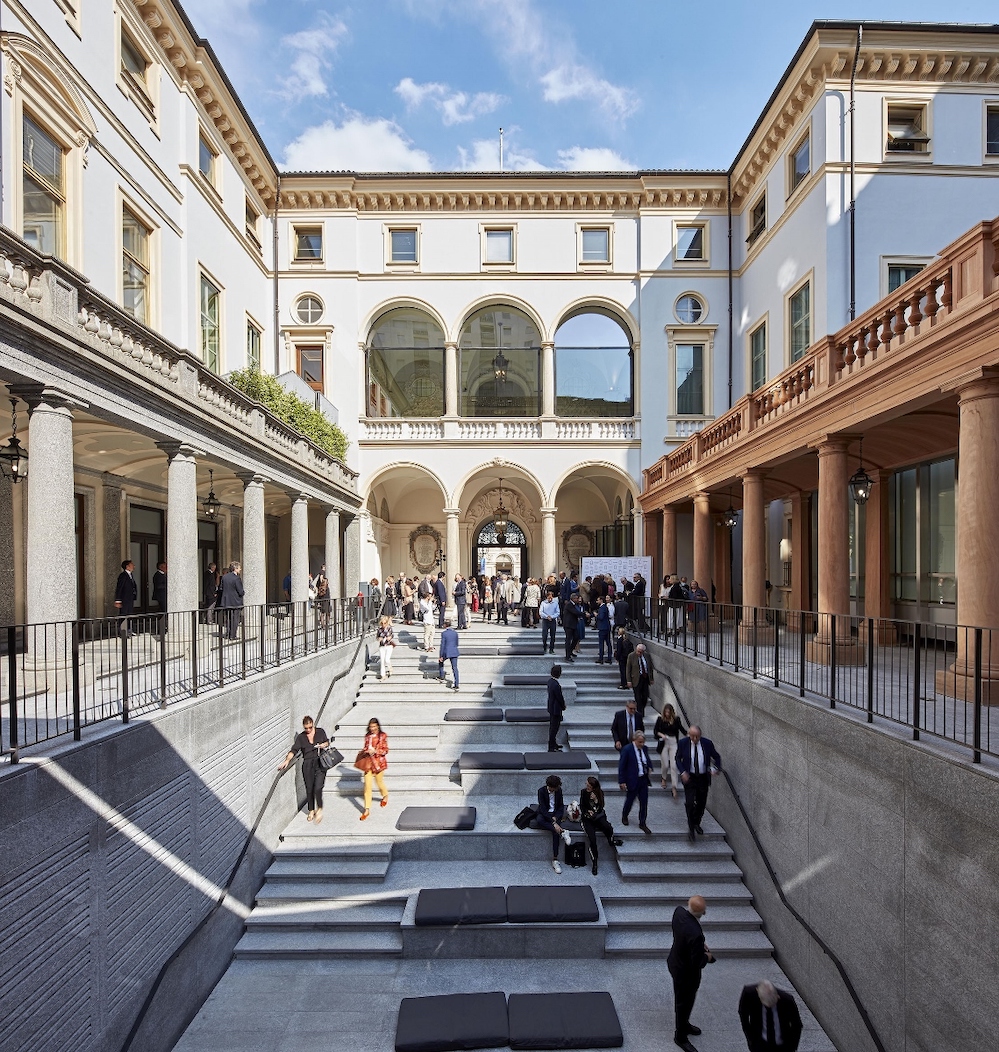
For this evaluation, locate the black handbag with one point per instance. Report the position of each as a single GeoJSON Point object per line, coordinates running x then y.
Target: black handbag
{"type": "Point", "coordinates": [523, 820]}
{"type": "Point", "coordinates": [330, 757]}
{"type": "Point", "coordinates": [575, 855]}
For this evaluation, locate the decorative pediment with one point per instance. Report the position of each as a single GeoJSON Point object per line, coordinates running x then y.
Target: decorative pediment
{"type": "Point", "coordinates": [484, 506]}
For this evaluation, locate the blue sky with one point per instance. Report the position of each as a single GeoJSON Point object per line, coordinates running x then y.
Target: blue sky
{"type": "Point", "coordinates": [410, 85]}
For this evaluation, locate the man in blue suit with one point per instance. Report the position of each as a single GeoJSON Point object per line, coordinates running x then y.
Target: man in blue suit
{"type": "Point", "coordinates": [556, 706]}
{"type": "Point", "coordinates": [697, 760]}
{"type": "Point", "coordinates": [633, 769]}
{"type": "Point", "coordinates": [440, 594]}
{"type": "Point", "coordinates": [449, 652]}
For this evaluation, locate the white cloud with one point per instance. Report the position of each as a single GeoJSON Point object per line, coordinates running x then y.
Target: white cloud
{"type": "Point", "coordinates": [578, 82]}
{"type": "Point", "coordinates": [483, 156]}
{"type": "Point", "coordinates": [455, 107]}
{"type": "Point", "coordinates": [594, 159]}
{"type": "Point", "coordinates": [313, 49]}
{"type": "Point", "coordinates": [359, 144]}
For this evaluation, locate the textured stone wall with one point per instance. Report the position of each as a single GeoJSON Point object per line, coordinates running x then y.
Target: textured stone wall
{"type": "Point", "coordinates": [888, 847]}
{"type": "Point", "coordinates": [108, 845]}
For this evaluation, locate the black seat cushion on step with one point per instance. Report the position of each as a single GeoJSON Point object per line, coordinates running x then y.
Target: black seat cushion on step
{"type": "Point", "coordinates": [526, 715]}
{"type": "Point", "coordinates": [450, 906]}
{"type": "Point", "coordinates": [437, 818]}
{"type": "Point", "coordinates": [559, 904]}
{"type": "Point", "coordinates": [452, 1021]}
{"type": "Point", "coordinates": [480, 715]}
{"type": "Point", "coordinates": [574, 760]}
{"type": "Point", "coordinates": [564, 1020]}
{"type": "Point", "coordinates": [491, 761]}
{"type": "Point", "coordinates": [525, 680]}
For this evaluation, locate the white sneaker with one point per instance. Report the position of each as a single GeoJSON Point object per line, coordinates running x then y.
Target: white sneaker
{"type": "Point", "coordinates": [566, 837]}
{"type": "Point", "coordinates": [556, 865]}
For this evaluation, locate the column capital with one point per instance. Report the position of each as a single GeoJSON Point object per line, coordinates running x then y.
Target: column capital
{"type": "Point", "coordinates": [978, 383]}
{"type": "Point", "coordinates": [830, 445]}
{"type": "Point", "coordinates": [637, 512]}
{"type": "Point", "coordinates": [754, 475]}
{"type": "Point", "coordinates": [333, 509]}
{"type": "Point", "coordinates": [176, 448]}
{"type": "Point", "coordinates": [545, 344]}
{"type": "Point", "coordinates": [41, 394]}
{"type": "Point", "coordinates": [548, 512]}
{"type": "Point", "coordinates": [298, 496]}
{"type": "Point", "coordinates": [702, 497]}
{"type": "Point", "coordinates": [452, 513]}
{"type": "Point", "coordinates": [251, 477]}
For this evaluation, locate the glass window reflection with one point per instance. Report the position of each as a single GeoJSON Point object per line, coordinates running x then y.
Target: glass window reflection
{"type": "Point", "coordinates": [593, 367]}
{"type": "Point", "coordinates": [406, 365]}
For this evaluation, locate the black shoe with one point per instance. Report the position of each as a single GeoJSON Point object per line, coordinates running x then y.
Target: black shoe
{"type": "Point", "coordinates": [697, 829]}
{"type": "Point", "coordinates": [690, 835]}
{"type": "Point", "coordinates": [624, 820]}
{"type": "Point", "coordinates": [617, 841]}
{"type": "Point", "coordinates": [594, 867]}
{"type": "Point", "coordinates": [684, 1044]}
{"type": "Point", "coordinates": [695, 1031]}
{"type": "Point", "coordinates": [645, 829]}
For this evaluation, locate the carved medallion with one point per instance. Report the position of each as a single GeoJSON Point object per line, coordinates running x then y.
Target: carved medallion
{"type": "Point", "coordinates": [424, 543]}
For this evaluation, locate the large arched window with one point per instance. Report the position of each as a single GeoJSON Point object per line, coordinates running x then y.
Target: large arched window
{"type": "Point", "coordinates": [500, 364]}
{"type": "Point", "coordinates": [593, 366]}
{"type": "Point", "coordinates": [406, 365]}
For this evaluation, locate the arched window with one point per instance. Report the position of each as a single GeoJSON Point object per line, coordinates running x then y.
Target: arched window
{"type": "Point", "coordinates": [500, 364]}
{"type": "Point", "coordinates": [513, 535]}
{"type": "Point", "coordinates": [406, 365]}
{"type": "Point", "coordinates": [593, 366]}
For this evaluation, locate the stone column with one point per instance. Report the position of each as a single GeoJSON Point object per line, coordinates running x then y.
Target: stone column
{"type": "Point", "coordinates": [453, 563]}
{"type": "Point", "coordinates": [977, 540]}
{"type": "Point", "coordinates": [114, 548]}
{"type": "Point", "coordinates": [669, 540]}
{"type": "Point", "coordinates": [333, 552]}
{"type": "Point", "coordinates": [801, 567]}
{"type": "Point", "coordinates": [50, 577]}
{"type": "Point", "coordinates": [722, 564]}
{"type": "Point", "coordinates": [451, 380]}
{"type": "Point", "coordinates": [754, 558]}
{"type": "Point", "coordinates": [548, 379]}
{"type": "Point", "coordinates": [353, 535]}
{"type": "Point", "coordinates": [548, 564]}
{"type": "Point", "coordinates": [300, 548]}
{"type": "Point", "coordinates": [638, 531]}
{"type": "Point", "coordinates": [254, 555]}
{"type": "Point", "coordinates": [876, 561]}
{"type": "Point", "coordinates": [183, 575]}
{"type": "Point", "coordinates": [703, 541]}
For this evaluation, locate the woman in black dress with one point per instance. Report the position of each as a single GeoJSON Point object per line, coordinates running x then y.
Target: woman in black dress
{"type": "Point", "coordinates": [668, 731]}
{"type": "Point", "coordinates": [593, 817]}
{"type": "Point", "coordinates": [308, 743]}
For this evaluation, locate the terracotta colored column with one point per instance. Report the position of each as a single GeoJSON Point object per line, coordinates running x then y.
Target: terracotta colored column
{"type": "Point", "coordinates": [703, 541]}
{"type": "Point", "coordinates": [669, 540]}
{"type": "Point", "coordinates": [801, 541]}
{"type": "Point", "coordinates": [876, 573]}
{"type": "Point", "coordinates": [754, 540]}
{"type": "Point", "coordinates": [722, 563]}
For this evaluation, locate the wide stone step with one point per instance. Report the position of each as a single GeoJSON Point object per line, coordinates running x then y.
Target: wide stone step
{"type": "Point", "coordinates": [350, 784]}
{"type": "Point", "coordinates": [313, 846]}
{"type": "Point", "coordinates": [708, 871]}
{"type": "Point", "coordinates": [289, 946]}
{"type": "Point", "coordinates": [640, 916]}
{"type": "Point", "coordinates": [665, 855]}
{"type": "Point", "coordinates": [728, 945]}
{"type": "Point", "coordinates": [321, 867]}
{"type": "Point", "coordinates": [663, 896]}
{"type": "Point", "coordinates": [343, 916]}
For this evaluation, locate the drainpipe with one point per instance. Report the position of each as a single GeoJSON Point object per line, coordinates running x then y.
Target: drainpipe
{"type": "Point", "coordinates": [731, 320]}
{"type": "Point", "coordinates": [853, 191]}
{"type": "Point", "coordinates": [277, 303]}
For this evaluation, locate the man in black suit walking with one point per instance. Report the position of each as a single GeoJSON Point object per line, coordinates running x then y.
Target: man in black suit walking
{"type": "Point", "coordinates": [232, 599]}
{"type": "Point", "coordinates": [625, 724]}
{"type": "Point", "coordinates": [556, 706]}
{"type": "Point", "coordinates": [633, 767]}
{"type": "Point", "coordinates": [697, 760]}
{"type": "Point", "coordinates": [126, 591]}
{"type": "Point", "coordinates": [688, 957]}
{"type": "Point", "coordinates": [770, 1018]}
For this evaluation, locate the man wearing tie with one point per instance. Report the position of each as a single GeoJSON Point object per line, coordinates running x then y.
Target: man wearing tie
{"type": "Point", "coordinates": [126, 591]}
{"type": "Point", "coordinates": [639, 673]}
{"type": "Point", "coordinates": [624, 725]}
{"type": "Point", "coordinates": [633, 769]}
{"type": "Point", "coordinates": [770, 1018]}
{"type": "Point", "coordinates": [696, 760]}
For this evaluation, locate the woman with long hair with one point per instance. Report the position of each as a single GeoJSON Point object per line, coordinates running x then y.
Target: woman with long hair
{"type": "Point", "coordinates": [308, 742]}
{"type": "Point", "coordinates": [669, 729]}
{"type": "Point", "coordinates": [593, 817]}
{"type": "Point", "coordinates": [386, 642]}
{"type": "Point", "coordinates": [376, 749]}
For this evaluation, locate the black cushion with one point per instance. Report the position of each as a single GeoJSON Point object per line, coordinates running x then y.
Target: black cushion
{"type": "Point", "coordinates": [560, 904]}
{"type": "Point", "coordinates": [446, 818]}
{"type": "Point", "coordinates": [480, 715]}
{"type": "Point", "coordinates": [526, 715]}
{"type": "Point", "coordinates": [451, 1021]}
{"type": "Point", "coordinates": [557, 1020]}
{"type": "Point", "coordinates": [574, 760]}
{"type": "Point", "coordinates": [437, 906]}
{"type": "Point", "coordinates": [491, 761]}
{"type": "Point", "coordinates": [525, 681]}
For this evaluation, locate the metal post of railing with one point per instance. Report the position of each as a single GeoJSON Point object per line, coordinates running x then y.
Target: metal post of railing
{"type": "Point", "coordinates": [917, 646]}
{"type": "Point", "coordinates": [194, 652]}
{"type": "Point", "coordinates": [263, 633]}
{"type": "Point", "coordinates": [832, 661]}
{"type": "Point", "coordinates": [124, 670]}
{"type": "Point", "coordinates": [707, 633]}
{"type": "Point", "coordinates": [162, 622]}
{"type": "Point", "coordinates": [802, 651]}
{"type": "Point", "coordinates": [222, 636]}
{"type": "Point", "coordinates": [977, 732]}
{"type": "Point", "coordinates": [77, 727]}
{"type": "Point", "coordinates": [277, 636]}
{"type": "Point", "coordinates": [335, 612]}
{"type": "Point", "coordinates": [870, 670]}
{"type": "Point", "coordinates": [292, 648]}
{"type": "Point", "coordinates": [696, 651]}
{"type": "Point", "coordinates": [721, 635]}
{"type": "Point", "coordinates": [735, 634]}
{"type": "Point", "coordinates": [776, 653]}
{"type": "Point", "coordinates": [242, 644]}
{"type": "Point", "coordinates": [12, 690]}
{"type": "Point", "coordinates": [756, 644]}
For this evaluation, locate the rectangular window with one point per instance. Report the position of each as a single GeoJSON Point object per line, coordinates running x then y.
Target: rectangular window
{"type": "Point", "coordinates": [499, 246]}
{"type": "Point", "coordinates": [403, 246]}
{"type": "Point", "coordinates": [690, 243]}
{"type": "Point", "coordinates": [252, 223]}
{"type": "Point", "coordinates": [800, 164]}
{"type": "Point", "coordinates": [757, 219]}
{"type": "Point", "coordinates": [308, 243]}
{"type": "Point", "coordinates": [43, 190]}
{"type": "Point", "coordinates": [310, 366]}
{"type": "Point", "coordinates": [800, 321]}
{"type": "Point", "coordinates": [899, 274]}
{"type": "Point", "coordinates": [207, 161]}
{"type": "Point", "coordinates": [907, 128]}
{"type": "Point", "coordinates": [596, 245]}
{"type": "Point", "coordinates": [758, 353]}
{"type": "Point", "coordinates": [992, 131]}
{"type": "Point", "coordinates": [252, 347]}
{"type": "Point", "coordinates": [690, 379]}
{"type": "Point", "coordinates": [135, 68]}
{"type": "Point", "coordinates": [939, 583]}
{"type": "Point", "coordinates": [135, 266]}
{"type": "Point", "coordinates": [211, 324]}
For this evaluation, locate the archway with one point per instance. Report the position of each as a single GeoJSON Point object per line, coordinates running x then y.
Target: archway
{"type": "Point", "coordinates": [405, 363]}
{"type": "Point", "coordinates": [495, 552]}
{"type": "Point", "coordinates": [595, 504]}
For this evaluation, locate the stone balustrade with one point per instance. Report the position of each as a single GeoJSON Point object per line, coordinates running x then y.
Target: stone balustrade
{"type": "Point", "coordinates": [522, 429]}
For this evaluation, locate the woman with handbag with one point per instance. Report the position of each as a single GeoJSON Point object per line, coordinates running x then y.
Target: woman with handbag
{"type": "Point", "coordinates": [593, 817]}
{"type": "Point", "coordinates": [309, 742]}
{"type": "Point", "coordinates": [386, 642]}
{"type": "Point", "coordinates": [407, 601]}
{"type": "Point", "coordinates": [371, 760]}
{"type": "Point", "coordinates": [668, 731]}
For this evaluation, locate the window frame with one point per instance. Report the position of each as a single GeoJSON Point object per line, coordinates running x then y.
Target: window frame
{"type": "Point", "coordinates": [762, 325]}
{"type": "Point", "coordinates": [253, 326]}
{"type": "Point", "coordinates": [791, 169]}
{"type": "Point", "coordinates": [298, 320]}
{"type": "Point", "coordinates": [690, 224]}
{"type": "Point", "coordinates": [705, 310]}
{"type": "Point", "coordinates": [989, 105]}
{"type": "Point", "coordinates": [252, 230]}
{"type": "Point", "coordinates": [297, 230]}
{"type": "Point", "coordinates": [806, 281]}
{"type": "Point", "coordinates": [681, 336]}
{"type": "Point", "coordinates": [60, 194]}
{"type": "Point", "coordinates": [307, 344]}
{"type": "Point", "coordinates": [214, 178]}
{"type": "Point", "coordinates": [205, 276]}
{"type": "Point", "coordinates": [126, 203]}
{"type": "Point", "coordinates": [144, 92]}
{"type": "Point", "coordinates": [403, 264]}
{"type": "Point", "coordinates": [907, 156]}
{"type": "Point", "coordinates": [887, 262]}
{"type": "Point", "coordinates": [755, 230]}
{"type": "Point", "coordinates": [485, 229]}
{"type": "Point", "coordinates": [594, 264]}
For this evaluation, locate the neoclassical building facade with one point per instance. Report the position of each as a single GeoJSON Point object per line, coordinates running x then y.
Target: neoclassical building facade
{"type": "Point", "coordinates": [528, 343]}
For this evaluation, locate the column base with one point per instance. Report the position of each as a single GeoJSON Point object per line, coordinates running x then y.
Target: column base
{"type": "Point", "coordinates": [801, 621]}
{"type": "Point", "coordinates": [763, 634]}
{"type": "Point", "coordinates": [848, 651]}
{"type": "Point", "coordinates": [960, 685]}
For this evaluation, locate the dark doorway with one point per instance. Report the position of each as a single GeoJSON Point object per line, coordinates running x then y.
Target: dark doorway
{"type": "Point", "coordinates": [146, 548]}
{"type": "Point", "coordinates": [489, 556]}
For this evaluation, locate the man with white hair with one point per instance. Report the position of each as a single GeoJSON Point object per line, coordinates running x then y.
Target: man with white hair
{"type": "Point", "coordinates": [770, 1018]}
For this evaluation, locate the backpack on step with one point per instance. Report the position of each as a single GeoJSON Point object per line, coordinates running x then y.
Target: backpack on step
{"type": "Point", "coordinates": [575, 855]}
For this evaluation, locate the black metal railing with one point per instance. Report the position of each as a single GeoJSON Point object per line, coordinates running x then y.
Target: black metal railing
{"type": "Point", "coordinates": [931, 679]}
{"type": "Point", "coordinates": [56, 679]}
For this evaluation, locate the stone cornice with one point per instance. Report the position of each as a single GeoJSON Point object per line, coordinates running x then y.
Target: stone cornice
{"type": "Point", "coordinates": [196, 67]}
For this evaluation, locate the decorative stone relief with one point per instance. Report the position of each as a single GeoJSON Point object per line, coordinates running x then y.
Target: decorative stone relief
{"type": "Point", "coordinates": [514, 503]}
{"type": "Point", "coordinates": [424, 543]}
{"type": "Point", "coordinates": [577, 543]}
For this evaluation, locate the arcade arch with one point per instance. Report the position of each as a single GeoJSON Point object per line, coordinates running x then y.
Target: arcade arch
{"type": "Point", "coordinates": [500, 363]}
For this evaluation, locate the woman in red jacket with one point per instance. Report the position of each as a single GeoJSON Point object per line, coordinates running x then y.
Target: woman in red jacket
{"type": "Point", "coordinates": [376, 748]}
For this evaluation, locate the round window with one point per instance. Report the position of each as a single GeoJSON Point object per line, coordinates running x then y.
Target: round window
{"type": "Point", "coordinates": [689, 310]}
{"type": "Point", "coordinates": [309, 309]}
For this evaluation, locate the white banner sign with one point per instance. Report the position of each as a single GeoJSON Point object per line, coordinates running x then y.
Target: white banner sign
{"type": "Point", "coordinates": [618, 566]}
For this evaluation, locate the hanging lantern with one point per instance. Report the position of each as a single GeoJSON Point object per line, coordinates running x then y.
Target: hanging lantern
{"type": "Point", "coordinates": [861, 484]}
{"type": "Point", "coordinates": [13, 456]}
{"type": "Point", "coordinates": [730, 518]}
{"type": "Point", "coordinates": [500, 366]}
{"type": "Point", "coordinates": [500, 520]}
{"type": "Point", "coordinates": [211, 502]}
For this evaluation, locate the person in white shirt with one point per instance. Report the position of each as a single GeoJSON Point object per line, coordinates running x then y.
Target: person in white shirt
{"type": "Point", "coordinates": [550, 610]}
{"type": "Point", "coordinates": [427, 619]}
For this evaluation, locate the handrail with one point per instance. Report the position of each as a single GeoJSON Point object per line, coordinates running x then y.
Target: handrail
{"type": "Point", "coordinates": [819, 941]}
{"type": "Point", "coordinates": [234, 872]}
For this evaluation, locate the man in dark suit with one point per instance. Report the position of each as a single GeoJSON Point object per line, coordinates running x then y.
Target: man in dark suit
{"type": "Point", "coordinates": [688, 957]}
{"type": "Point", "coordinates": [460, 599]}
{"type": "Point", "coordinates": [440, 594]}
{"type": "Point", "coordinates": [448, 652]}
{"type": "Point", "coordinates": [633, 767]}
{"type": "Point", "coordinates": [696, 759]}
{"type": "Point", "coordinates": [638, 601]}
{"type": "Point", "coordinates": [571, 614]}
{"type": "Point", "coordinates": [556, 706]}
{"type": "Point", "coordinates": [160, 586]}
{"type": "Point", "coordinates": [231, 600]}
{"type": "Point", "coordinates": [126, 591]}
{"type": "Point", "coordinates": [640, 676]}
{"type": "Point", "coordinates": [625, 724]}
{"type": "Point", "coordinates": [621, 612]}
{"type": "Point", "coordinates": [770, 1018]}
{"type": "Point", "coordinates": [551, 809]}
{"type": "Point", "coordinates": [210, 591]}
